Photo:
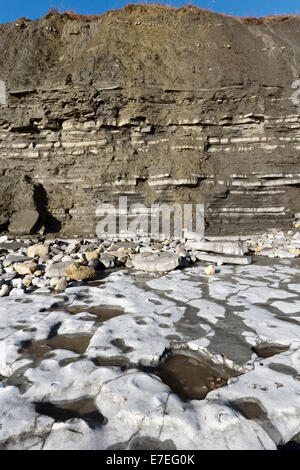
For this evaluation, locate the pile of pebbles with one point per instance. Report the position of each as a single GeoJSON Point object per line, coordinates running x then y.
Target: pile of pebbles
{"type": "Point", "coordinates": [276, 244]}
{"type": "Point", "coordinates": [56, 264]}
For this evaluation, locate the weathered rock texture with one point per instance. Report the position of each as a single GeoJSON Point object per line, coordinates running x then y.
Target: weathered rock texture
{"type": "Point", "coordinates": [155, 103]}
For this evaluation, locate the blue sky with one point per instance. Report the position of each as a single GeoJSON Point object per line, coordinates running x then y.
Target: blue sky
{"type": "Point", "coordinates": [14, 9]}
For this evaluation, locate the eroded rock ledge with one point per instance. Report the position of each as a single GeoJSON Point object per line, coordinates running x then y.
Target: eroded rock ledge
{"type": "Point", "coordinates": [158, 104]}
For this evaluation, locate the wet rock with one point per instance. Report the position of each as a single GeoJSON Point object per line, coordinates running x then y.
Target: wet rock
{"type": "Point", "coordinates": [156, 262]}
{"type": "Point", "coordinates": [77, 272]}
{"type": "Point", "coordinates": [24, 221]}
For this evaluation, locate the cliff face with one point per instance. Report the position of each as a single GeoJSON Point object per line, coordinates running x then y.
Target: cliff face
{"type": "Point", "coordinates": [154, 103]}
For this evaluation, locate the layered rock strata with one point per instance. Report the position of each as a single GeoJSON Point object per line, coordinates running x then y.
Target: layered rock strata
{"type": "Point", "coordinates": [157, 104]}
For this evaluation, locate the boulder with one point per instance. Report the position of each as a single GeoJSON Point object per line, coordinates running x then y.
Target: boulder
{"type": "Point", "coordinates": [156, 262]}
{"type": "Point", "coordinates": [243, 260]}
{"type": "Point", "coordinates": [77, 272]}
{"type": "Point", "coordinates": [222, 247]}
{"type": "Point", "coordinates": [24, 221]}
{"type": "Point", "coordinates": [12, 259]}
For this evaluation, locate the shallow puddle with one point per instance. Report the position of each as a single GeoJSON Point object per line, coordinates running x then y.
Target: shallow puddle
{"type": "Point", "coordinates": [63, 411]}
{"type": "Point", "coordinates": [120, 344]}
{"type": "Point", "coordinates": [115, 361]}
{"type": "Point", "coordinates": [38, 349]}
{"type": "Point", "coordinates": [265, 350]}
{"type": "Point", "coordinates": [283, 369]}
{"type": "Point", "coordinates": [193, 378]}
{"type": "Point", "coordinates": [96, 283]}
{"type": "Point", "coordinates": [70, 360]}
{"type": "Point", "coordinates": [103, 312]}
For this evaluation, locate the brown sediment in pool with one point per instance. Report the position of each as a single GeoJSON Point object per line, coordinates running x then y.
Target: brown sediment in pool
{"type": "Point", "coordinates": [70, 360]}
{"type": "Point", "coordinates": [63, 411]}
{"type": "Point", "coordinates": [265, 350]}
{"type": "Point", "coordinates": [193, 378]}
{"type": "Point", "coordinates": [114, 361]}
{"type": "Point", "coordinates": [103, 312]}
{"type": "Point", "coordinates": [120, 344]}
{"type": "Point", "coordinates": [38, 349]}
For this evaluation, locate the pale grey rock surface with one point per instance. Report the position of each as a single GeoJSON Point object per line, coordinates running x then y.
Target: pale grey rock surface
{"type": "Point", "coordinates": [24, 221]}
{"type": "Point", "coordinates": [156, 262]}
{"type": "Point", "coordinates": [242, 260]}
